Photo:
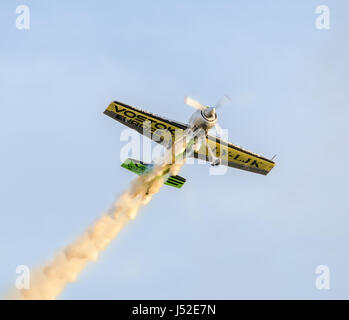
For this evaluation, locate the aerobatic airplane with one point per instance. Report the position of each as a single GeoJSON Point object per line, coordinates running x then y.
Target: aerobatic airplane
{"type": "Point", "coordinates": [167, 132]}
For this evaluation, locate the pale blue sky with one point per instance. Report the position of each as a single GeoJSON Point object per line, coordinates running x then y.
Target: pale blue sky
{"type": "Point", "coordinates": [239, 235]}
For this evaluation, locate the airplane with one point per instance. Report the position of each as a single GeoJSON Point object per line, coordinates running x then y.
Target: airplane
{"type": "Point", "coordinates": [168, 132]}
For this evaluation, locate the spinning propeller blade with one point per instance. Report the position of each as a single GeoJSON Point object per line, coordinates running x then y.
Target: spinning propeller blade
{"type": "Point", "coordinates": [193, 103]}
{"type": "Point", "coordinates": [223, 101]}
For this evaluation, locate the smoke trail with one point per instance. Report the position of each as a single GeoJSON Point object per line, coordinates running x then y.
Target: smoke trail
{"type": "Point", "coordinates": [50, 281]}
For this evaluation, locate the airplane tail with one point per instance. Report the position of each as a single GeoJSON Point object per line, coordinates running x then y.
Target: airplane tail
{"type": "Point", "coordinates": [140, 168]}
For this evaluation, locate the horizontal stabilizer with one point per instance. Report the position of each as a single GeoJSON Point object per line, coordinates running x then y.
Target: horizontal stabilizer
{"type": "Point", "coordinates": [140, 168]}
{"type": "Point", "coordinates": [175, 181]}
{"type": "Point", "coordinates": [136, 166]}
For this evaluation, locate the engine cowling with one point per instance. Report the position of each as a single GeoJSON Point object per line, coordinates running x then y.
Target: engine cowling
{"type": "Point", "coordinates": [204, 119]}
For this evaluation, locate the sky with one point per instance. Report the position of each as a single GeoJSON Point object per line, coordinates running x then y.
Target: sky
{"type": "Point", "coordinates": [233, 236]}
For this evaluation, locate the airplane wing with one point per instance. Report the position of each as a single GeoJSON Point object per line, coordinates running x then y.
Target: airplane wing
{"type": "Point", "coordinates": [157, 128]}
{"type": "Point", "coordinates": [234, 156]}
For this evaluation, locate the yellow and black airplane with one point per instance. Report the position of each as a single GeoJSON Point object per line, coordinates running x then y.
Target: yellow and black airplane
{"type": "Point", "coordinates": [215, 150]}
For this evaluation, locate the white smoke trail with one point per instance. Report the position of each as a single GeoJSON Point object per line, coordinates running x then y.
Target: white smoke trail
{"type": "Point", "coordinates": [50, 281]}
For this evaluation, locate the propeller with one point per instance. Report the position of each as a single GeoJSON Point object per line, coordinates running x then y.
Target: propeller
{"type": "Point", "coordinates": [194, 103]}
{"type": "Point", "coordinates": [220, 103]}
{"type": "Point", "coordinates": [223, 101]}
{"type": "Point", "coordinates": [197, 105]}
